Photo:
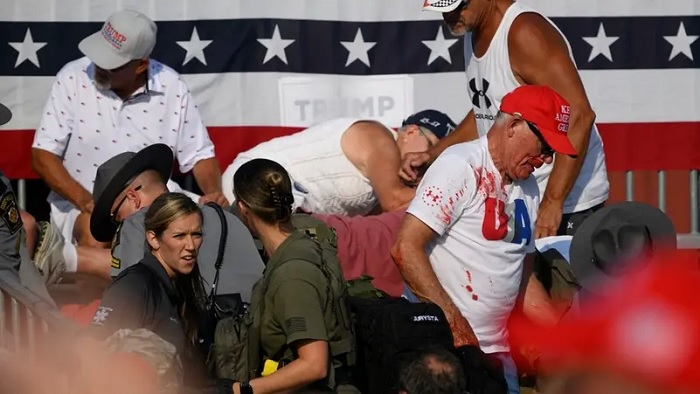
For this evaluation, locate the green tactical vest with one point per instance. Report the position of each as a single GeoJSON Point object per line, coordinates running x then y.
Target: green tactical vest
{"type": "Point", "coordinates": [235, 353]}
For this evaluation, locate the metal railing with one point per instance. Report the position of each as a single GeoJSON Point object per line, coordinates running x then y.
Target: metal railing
{"type": "Point", "coordinates": [661, 180]}
{"type": "Point", "coordinates": [26, 319]}
{"type": "Point", "coordinates": [687, 239]}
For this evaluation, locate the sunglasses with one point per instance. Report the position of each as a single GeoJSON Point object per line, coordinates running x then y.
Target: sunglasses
{"type": "Point", "coordinates": [546, 149]}
{"type": "Point", "coordinates": [113, 215]}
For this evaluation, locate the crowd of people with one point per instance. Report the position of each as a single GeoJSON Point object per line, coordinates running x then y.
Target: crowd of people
{"type": "Point", "coordinates": [501, 220]}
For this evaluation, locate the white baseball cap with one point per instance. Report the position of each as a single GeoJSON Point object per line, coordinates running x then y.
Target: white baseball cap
{"type": "Point", "coordinates": [443, 6]}
{"type": "Point", "coordinates": [126, 35]}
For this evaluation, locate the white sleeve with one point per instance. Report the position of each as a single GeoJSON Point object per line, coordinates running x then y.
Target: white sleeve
{"type": "Point", "coordinates": [57, 119]}
{"type": "Point", "coordinates": [447, 188]}
{"type": "Point", "coordinates": [176, 188]}
{"type": "Point", "coordinates": [193, 142]}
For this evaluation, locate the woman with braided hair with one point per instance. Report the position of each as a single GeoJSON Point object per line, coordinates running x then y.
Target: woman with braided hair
{"type": "Point", "coordinates": [299, 321]}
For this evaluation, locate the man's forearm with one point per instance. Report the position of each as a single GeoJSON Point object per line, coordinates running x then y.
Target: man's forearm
{"type": "Point", "coordinates": [51, 170]}
{"type": "Point", "coordinates": [414, 266]}
{"type": "Point", "coordinates": [534, 299]}
{"type": "Point", "coordinates": [401, 198]}
{"type": "Point", "coordinates": [566, 169]}
{"type": "Point", "coordinates": [207, 173]}
{"type": "Point", "coordinates": [465, 131]}
{"type": "Point", "coordinates": [416, 271]}
{"type": "Point", "coordinates": [537, 305]}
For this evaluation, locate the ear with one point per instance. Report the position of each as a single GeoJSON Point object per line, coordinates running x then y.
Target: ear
{"type": "Point", "coordinates": [412, 130]}
{"type": "Point", "coordinates": [242, 208]}
{"type": "Point", "coordinates": [134, 198]}
{"type": "Point", "coordinates": [512, 126]}
{"type": "Point", "coordinates": [142, 66]}
{"type": "Point", "coordinates": [152, 240]}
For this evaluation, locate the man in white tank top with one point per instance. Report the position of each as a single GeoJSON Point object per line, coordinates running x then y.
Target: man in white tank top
{"type": "Point", "coordinates": [513, 45]}
{"type": "Point", "coordinates": [348, 166]}
{"type": "Point", "coordinates": [467, 241]}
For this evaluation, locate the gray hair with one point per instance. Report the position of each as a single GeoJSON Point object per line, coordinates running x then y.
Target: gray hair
{"type": "Point", "coordinates": [422, 129]}
{"type": "Point", "coordinates": [501, 117]}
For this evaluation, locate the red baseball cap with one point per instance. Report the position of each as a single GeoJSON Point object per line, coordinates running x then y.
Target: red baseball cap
{"type": "Point", "coordinates": [546, 109]}
{"type": "Point", "coordinates": [647, 326]}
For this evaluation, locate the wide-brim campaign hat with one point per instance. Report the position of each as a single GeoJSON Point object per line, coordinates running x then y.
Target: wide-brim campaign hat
{"type": "Point", "coordinates": [5, 114]}
{"type": "Point", "coordinates": [613, 239]}
{"type": "Point", "coordinates": [115, 174]}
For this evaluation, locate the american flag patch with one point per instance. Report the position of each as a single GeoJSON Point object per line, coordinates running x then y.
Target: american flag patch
{"type": "Point", "coordinates": [295, 324]}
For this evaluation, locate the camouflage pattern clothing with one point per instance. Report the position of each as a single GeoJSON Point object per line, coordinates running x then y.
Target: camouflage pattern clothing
{"type": "Point", "coordinates": [159, 353]}
{"type": "Point", "coordinates": [143, 296]}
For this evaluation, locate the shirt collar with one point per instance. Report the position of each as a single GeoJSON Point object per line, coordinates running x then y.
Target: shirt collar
{"type": "Point", "coordinates": [152, 263]}
{"type": "Point", "coordinates": [152, 86]}
{"type": "Point", "coordinates": [278, 257]}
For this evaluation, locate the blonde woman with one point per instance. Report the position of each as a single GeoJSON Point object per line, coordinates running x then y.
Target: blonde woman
{"type": "Point", "coordinates": [164, 291]}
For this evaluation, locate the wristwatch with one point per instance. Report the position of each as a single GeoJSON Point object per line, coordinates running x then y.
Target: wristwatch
{"type": "Point", "coordinates": [246, 388]}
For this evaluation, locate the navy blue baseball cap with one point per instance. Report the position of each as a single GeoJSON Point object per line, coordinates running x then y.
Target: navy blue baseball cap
{"type": "Point", "coordinates": [5, 114]}
{"type": "Point", "coordinates": [437, 122]}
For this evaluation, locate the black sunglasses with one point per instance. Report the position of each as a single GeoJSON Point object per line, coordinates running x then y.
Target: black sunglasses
{"type": "Point", "coordinates": [113, 215]}
{"type": "Point", "coordinates": [546, 149]}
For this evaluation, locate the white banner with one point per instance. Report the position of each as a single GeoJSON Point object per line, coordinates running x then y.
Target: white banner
{"type": "Point", "coordinates": [305, 101]}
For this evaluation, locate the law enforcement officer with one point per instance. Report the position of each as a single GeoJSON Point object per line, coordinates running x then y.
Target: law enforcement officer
{"type": "Point", "coordinates": [127, 184]}
{"type": "Point", "coordinates": [164, 291]}
{"type": "Point", "coordinates": [301, 321]}
{"type": "Point", "coordinates": [15, 263]}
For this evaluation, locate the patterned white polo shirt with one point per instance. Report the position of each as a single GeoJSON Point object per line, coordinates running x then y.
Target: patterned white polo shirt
{"type": "Point", "coordinates": [86, 126]}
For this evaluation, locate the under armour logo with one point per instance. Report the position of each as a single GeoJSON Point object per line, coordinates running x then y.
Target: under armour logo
{"type": "Point", "coordinates": [477, 93]}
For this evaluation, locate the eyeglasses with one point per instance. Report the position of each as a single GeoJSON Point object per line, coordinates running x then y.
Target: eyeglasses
{"type": "Point", "coordinates": [546, 149]}
{"type": "Point", "coordinates": [430, 143]}
{"type": "Point", "coordinates": [113, 215]}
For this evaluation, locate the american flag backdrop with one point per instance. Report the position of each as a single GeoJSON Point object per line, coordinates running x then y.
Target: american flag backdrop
{"type": "Point", "coordinates": [263, 68]}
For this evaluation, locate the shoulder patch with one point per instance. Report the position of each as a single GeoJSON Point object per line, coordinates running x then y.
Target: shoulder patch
{"type": "Point", "coordinates": [116, 263]}
{"type": "Point", "coordinates": [9, 212]}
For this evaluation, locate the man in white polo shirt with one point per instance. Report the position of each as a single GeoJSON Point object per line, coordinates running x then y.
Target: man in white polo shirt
{"type": "Point", "coordinates": [113, 100]}
{"type": "Point", "coordinates": [464, 241]}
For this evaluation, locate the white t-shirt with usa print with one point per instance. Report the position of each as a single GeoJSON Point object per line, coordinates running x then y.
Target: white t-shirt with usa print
{"type": "Point", "coordinates": [484, 230]}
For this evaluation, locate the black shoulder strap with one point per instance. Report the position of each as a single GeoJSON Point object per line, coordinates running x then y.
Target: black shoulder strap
{"type": "Point", "coordinates": [222, 249]}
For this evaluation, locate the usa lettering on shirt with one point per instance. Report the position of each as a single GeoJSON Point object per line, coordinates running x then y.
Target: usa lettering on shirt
{"type": "Point", "coordinates": [505, 221]}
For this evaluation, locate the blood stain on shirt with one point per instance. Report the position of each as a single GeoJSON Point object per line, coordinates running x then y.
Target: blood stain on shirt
{"type": "Point", "coordinates": [469, 287]}
{"type": "Point", "coordinates": [445, 215]}
{"type": "Point", "coordinates": [489, 183]}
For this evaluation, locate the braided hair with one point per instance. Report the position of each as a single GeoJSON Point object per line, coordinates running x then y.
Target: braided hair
{"type": "Point", "coordinates": [265, 187]}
